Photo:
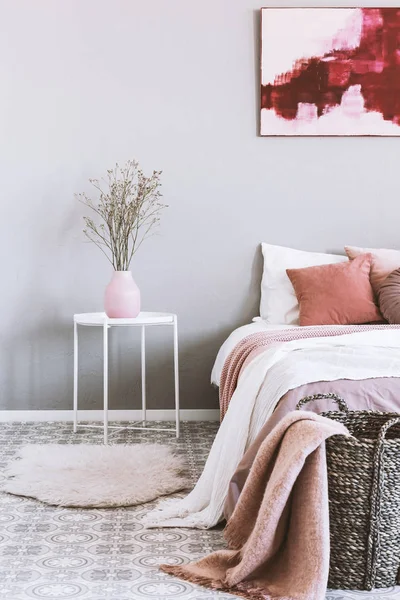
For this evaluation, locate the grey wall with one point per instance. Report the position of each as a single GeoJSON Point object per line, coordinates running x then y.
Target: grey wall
{"type": "Point", "coordinates": [85, 83]}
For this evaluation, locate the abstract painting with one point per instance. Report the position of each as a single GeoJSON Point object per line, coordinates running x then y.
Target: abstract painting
{"type": "Point", "coordinates": [330, 71]}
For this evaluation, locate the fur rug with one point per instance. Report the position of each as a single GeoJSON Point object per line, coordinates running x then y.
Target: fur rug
{"type": "Point", "coordinates": [95, 476]}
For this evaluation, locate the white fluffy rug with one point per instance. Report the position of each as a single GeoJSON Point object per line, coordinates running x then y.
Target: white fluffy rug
{"type": "Point", "coordinates": [95, 476]}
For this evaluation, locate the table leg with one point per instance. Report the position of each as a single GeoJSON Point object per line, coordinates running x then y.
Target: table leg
{"type": "Point", "coordinates": [105, 380]}
{"type": "Point", "coordinates": [176, 376]}
{"type": "Point", "coordinates": [75, 376]}
{"type": "Point", "coordinates": [143, 362]}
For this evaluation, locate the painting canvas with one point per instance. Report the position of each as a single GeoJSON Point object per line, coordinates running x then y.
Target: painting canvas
{"type": "Point", "coordinates": [330, 71]}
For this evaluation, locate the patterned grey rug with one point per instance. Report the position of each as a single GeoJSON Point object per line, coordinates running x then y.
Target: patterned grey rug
{"type": "Point", "coordinates": [51, 553]}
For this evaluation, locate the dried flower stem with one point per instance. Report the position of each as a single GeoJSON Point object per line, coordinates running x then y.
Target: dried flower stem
{"type": "Point", "coordinates": [129, 207]}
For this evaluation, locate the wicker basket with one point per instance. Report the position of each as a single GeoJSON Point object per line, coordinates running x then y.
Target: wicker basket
{"type": "Point", "coordinates": [364, 498]}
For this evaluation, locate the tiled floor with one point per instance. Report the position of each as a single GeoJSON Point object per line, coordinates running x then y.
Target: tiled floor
{"type": "Point", "coordinates": [54, 553]}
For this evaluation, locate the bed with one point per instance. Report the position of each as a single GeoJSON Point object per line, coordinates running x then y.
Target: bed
{"type": "Point", "coordinates": [248, 343]}
{"type": "Point", "coordinates": [265, 367]}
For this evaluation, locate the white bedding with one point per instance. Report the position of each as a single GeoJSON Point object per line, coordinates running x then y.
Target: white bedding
{"type": "Point", "coordinates": [235, 337]}
{"type": "Point", "coordinates": [288, 365]}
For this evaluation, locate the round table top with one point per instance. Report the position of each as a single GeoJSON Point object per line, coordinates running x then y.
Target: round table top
{"type": "Point", "coordinates": [143, 318]}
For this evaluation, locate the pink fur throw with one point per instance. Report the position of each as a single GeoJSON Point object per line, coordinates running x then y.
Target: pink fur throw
{"type": "Point", "coordinates": [278, 535]}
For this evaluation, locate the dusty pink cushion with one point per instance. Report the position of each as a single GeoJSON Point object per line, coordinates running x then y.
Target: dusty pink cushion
{"type": "Point", "coordinates": [389, 298]}
{"type": "Point", "coordinates": [336, 294]}
{"type": "Point", "coordinates": [384, 261]}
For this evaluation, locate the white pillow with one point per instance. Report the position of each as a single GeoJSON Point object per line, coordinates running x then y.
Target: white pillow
{"type": "Point", "coordinates": [278, 300]}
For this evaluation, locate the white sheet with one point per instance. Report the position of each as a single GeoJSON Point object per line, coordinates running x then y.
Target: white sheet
{"type": "Point", "coordinates": [237, 336]}
{"type": "Point", "coordinates": [288, 365]}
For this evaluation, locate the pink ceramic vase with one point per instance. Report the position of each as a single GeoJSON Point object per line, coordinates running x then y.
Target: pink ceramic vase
{"type": "Point", "coordinates": [122, 297]}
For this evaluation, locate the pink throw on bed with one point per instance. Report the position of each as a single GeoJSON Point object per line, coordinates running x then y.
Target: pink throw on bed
{"type": "Point", "coordinates": [252, 345]}
{"type": "Point", "coordinates": [278, 534]}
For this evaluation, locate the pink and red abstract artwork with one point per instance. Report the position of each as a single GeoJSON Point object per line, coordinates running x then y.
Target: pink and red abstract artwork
{"type": "Point", "coordinates": [330, 71]}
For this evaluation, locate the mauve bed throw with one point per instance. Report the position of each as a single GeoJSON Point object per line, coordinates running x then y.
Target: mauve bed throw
{"type": "Point", "coordinates": [278, 534]}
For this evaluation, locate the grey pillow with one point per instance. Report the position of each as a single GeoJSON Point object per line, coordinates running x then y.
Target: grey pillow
{"type": "Point", "coordinates": [389, 297]}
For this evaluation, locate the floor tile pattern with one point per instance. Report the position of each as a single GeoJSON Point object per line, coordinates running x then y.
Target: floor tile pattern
{"type": "Point", "coordinates": [52, 553]}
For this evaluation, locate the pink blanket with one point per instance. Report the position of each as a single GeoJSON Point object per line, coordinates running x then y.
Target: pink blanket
{"type": "Point", "coordinates": [278, 535]}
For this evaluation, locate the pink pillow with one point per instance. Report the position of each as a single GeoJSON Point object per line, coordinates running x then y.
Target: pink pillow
{"type": "Point", "coordinates": [384, 261]}
{"type": "Point", "coordinates": [336, 294]}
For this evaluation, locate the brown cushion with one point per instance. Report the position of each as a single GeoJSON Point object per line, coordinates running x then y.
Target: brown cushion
{"type": "Point", "coordinates": [389, 297]}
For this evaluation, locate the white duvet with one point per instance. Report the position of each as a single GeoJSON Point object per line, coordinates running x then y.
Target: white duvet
{"type": "Point", "coordinates": [258, 326]}
{"type": "Point", "coordinates": [280, 368]}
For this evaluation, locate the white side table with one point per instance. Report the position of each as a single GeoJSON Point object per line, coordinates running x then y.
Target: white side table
{"type": "Point", "coordinates": [143, 320]}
